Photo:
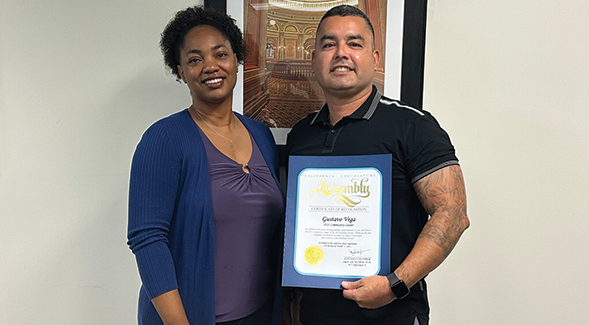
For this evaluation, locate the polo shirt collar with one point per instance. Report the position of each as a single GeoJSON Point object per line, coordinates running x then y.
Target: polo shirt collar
{"type": "Point", "coordinates": [365, 110]}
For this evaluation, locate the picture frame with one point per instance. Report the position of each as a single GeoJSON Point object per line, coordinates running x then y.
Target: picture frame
{"type": "Point", "coordinates": [404, 53]}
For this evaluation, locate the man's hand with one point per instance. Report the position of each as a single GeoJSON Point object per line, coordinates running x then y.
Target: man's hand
{"type": "Point", "coordinates": [369, 292]}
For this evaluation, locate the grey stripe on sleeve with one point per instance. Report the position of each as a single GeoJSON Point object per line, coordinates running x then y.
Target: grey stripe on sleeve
{"type": "Point", "coordinates": [431, 170]}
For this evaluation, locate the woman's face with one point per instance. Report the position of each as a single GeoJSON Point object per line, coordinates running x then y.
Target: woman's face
{"type": "Point", "coordinates": [208, 66]}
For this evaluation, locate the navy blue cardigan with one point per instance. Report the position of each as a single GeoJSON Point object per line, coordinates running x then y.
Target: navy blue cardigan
{"type": "Point", "coordinates": [171, 227]}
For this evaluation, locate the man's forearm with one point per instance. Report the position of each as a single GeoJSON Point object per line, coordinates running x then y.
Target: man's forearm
{"type": "Point", "coordinates": [443, 196]}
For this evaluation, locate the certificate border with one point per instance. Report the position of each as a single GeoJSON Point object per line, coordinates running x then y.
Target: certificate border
{"type": "Point", "coordinates": [290, 276]}
{"type": "Point", "coordinates": [296, 223]}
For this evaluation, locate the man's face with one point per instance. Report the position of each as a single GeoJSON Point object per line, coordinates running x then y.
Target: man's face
{"type": "Point", "coordinates": [344, 60]}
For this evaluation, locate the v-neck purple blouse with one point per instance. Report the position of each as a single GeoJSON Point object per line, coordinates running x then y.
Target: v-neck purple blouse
{"type": "Point", "coordinates": [247, 209]}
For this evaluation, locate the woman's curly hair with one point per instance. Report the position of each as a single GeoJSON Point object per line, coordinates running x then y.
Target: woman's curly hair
{"type": "Point", "coordinates": [173, 35]}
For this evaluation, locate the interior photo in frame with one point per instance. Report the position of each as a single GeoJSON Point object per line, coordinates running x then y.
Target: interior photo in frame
{"type": "Point", "coordinates": [279, 87]}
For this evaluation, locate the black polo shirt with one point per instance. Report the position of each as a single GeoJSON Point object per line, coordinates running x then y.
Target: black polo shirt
{"type": "Point", "coordinates": [418, 147]}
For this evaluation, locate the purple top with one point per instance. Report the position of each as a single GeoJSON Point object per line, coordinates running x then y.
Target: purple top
{"type": "Point", "coordinates": [247, 209]}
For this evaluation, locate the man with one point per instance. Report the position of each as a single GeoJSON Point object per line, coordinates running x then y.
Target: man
{"type": "Point", "coordinates": [427, 180]}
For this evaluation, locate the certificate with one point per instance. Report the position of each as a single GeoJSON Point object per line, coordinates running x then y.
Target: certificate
{"type": "Point", "coordinates": [338, 220]}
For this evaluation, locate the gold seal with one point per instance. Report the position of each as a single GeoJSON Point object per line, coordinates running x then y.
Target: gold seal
{"type": "Point", "coordinates": [314, 255]}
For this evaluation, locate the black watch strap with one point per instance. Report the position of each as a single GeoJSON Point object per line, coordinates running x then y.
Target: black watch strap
{"type": "Point", "coordinates": [399, 288]}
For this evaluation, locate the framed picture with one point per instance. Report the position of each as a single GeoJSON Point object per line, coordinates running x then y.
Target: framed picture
{"type": "Point", "coordinates": [276, 83]}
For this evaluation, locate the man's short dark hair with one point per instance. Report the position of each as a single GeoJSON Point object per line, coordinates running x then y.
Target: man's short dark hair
{"type": "Point", "coordinates": [173, 35]}
{"type": "Point", "coordinates": [347, 10]}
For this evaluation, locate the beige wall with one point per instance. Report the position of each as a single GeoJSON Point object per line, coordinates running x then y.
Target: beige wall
{"type": "Point", "coordinates": [509, 81]}
{"type": "Point", "coordinates": [80, 82]}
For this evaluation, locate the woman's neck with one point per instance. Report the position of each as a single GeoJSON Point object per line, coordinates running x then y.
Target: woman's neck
{"type": "Point", "coordinates": [216, 114]}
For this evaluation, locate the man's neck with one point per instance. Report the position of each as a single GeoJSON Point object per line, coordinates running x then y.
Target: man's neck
{"type": "Point", "coordinates": [339, 107]}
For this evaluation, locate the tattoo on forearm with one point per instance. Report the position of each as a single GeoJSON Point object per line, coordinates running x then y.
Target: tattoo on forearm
{"type": "Point", "coordinates": [443, 197]}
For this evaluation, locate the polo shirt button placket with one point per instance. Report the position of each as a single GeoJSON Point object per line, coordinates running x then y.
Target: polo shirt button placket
{"type": "Point", "coordinates": [330, 140]}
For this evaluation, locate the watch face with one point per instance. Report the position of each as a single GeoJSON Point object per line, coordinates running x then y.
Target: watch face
{"type": "Point", "coordinates": [400, 289]}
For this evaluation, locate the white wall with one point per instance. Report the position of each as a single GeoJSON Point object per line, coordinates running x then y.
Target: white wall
{"type": "Point", "coordinates": [509, 80]}
{"type": "Point", "coordinates": [80, 82]}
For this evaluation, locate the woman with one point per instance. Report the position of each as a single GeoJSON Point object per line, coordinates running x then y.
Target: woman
{"type": "Point", "coordinates": [205, 207]}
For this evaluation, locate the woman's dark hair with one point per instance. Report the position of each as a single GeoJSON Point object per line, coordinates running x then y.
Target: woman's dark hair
{"type": "Point", "coordinates": [173, 35]}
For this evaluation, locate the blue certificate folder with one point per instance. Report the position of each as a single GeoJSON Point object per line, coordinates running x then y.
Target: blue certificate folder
{"type": "Point", "coordinates": [296, 276]}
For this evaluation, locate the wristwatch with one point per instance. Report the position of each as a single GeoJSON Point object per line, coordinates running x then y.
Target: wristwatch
{"type": "Point", "coordinates": [400, 289]}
